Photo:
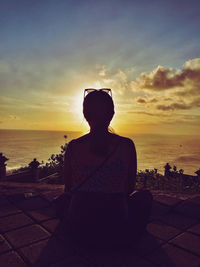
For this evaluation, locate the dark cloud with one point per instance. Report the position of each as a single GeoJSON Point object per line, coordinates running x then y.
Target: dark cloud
{"type": "Point", "coordinates": [160, 79]}
{"type": "Point", "coordinates": [189, 92]}
{"type": "Point", "coordinates": [146, 101]}
{"type": "Point", "coordinates": [152, 100]}
{"type": "Point", "coordinates": [13, 117]}
{"type": "Point", "coordinates": [141, 100]}
{"type": "Point", "coordinates": [165, 78]}
{"type": "Point", "coordinates": [196, 102]}
{"type": "Point", "coordinates": [180, 106]}
{"type": "Point", "coordinates": [185, 82]}
{"type": "Point", "coordinates": [149, 113]}
{"type": "Point", "coordinates": [187, 159]}
{"type": "Point", "coordinates": [142, 113]}
{"type": "Point", "coordinates": [167, 99]}
{"type": "Point", "coordinates": [173, 106]}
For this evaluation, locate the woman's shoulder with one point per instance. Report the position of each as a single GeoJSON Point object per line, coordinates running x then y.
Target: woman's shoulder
{"type": "Point", "coordinates": [79, 140]}
{"type": "Point", "coordinates": [115, 137]}
{"type": "Point", "coordinates": [126, 140]}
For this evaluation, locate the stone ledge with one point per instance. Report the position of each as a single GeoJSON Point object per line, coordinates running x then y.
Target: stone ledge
{"type": "Point", "coordinates": [171, 256]}
{"type": "Point", "coordinates": [12, 259]}
{"type": "Point", "coordinates": [26, 235]}
{"type": "Point", "coordinates": [12, 222]}
{"type": "Point", "coordinates": [29, 232]}
{"type": "Point", "coordinates": [188, 241]}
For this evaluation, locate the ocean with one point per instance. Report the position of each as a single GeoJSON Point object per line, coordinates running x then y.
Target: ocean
{"type": "Point", "coordinates": [153, 151]}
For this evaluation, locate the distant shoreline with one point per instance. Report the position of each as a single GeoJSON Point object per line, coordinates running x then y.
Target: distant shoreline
{"type": "Point", "coordinates": [40, 130]}
{"type": "Point", "coordinates": [120, 133]}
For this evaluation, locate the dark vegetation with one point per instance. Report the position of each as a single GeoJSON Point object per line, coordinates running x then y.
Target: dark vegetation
{"type": "Point", "coordinates": [173, 181]}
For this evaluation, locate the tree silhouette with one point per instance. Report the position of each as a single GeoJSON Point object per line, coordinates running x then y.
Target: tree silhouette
{"type": "Point", "coordinates": [3, 160]}
{"type": "Point", "coordinates": [167, 169]}
{"type": "Point", "coordinates": [198, 172]}
{"type": "Point", "coordinates": [181, 171]}
{"type": "Point", "coordinates": [174, 168]}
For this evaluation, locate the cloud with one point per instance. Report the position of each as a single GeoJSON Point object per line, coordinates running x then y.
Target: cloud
{"type": "Point", "coordinates": [173, 106]}
{"type": "Point", "coordinates": [144, 113]}
{"type": "Point", "coordinates": [196, 102]}
{"type": "Point", "coordinates": [152, 100]}
{"type": "Point", "coordinates": [102, 71]}
{"type": "Point", "coordinates": [163, 78]}
{"type": "Point", "coordinates": [14, 117]}
{"type": "Point", "coordinates": [141, 100]}
{"type": "Point", "coordinates": [181, 106]}
{"type": "Point", "coordinates": [189, 92]}
{"type": "Point", "coordinates": [167, 99]}
{"type": "Point", "coordinates": [10, 118]}
{"type": "Point", "coordinates": [122, 75]}
{"type": "Point", "coordinates": [176, 89]}
{"type": "Point", "coordinates": [187, 159]}
{"type": "Point", "coordinates": [193, 64]}
{"type": "Point", "coordinates": [21, 79]}
{"type": "Point", "coordinates": [112, 78]}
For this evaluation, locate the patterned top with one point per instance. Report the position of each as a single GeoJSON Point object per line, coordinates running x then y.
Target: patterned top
{"type": "Point", "coordinates": [117, 174]}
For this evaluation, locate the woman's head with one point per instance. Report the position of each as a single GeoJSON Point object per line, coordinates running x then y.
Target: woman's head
{"type": "Point", "coordinates": [98, 109]}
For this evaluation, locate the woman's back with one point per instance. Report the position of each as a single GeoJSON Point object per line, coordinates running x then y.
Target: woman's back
{"type": "Point", "coordinates": [99, 191]}
{"type": "Point", "coordinates": [88, 174]}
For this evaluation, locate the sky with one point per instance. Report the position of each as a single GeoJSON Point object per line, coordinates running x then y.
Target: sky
{"type": "Point", "coordinates": [146, 51]}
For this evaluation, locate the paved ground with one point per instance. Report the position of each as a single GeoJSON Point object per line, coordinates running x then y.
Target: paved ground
{"type": "Point", "coordinates": [31, 235]}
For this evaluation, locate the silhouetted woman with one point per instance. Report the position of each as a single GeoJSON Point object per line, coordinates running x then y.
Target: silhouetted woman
{"type": "Point", "coordinates": [100, 174]}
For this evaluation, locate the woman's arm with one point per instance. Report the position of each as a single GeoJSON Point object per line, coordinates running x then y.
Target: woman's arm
{"type": "Point", "coordinates": [132, 170]}
{"type": "Point", "coordinates": [67, 171]}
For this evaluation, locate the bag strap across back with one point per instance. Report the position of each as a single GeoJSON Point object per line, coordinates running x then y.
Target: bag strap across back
{"type": "Point", "coordinates": [96, 169]}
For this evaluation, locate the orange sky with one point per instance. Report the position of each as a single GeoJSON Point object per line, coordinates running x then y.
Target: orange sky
{"type": "Point", "coordinates": [146, 52]}
{"type": "Point", "coordinates": [162, 101]}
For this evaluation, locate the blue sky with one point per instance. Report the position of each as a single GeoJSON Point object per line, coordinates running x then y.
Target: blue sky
{"type": "Point", "coordinates": [50, 50]}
